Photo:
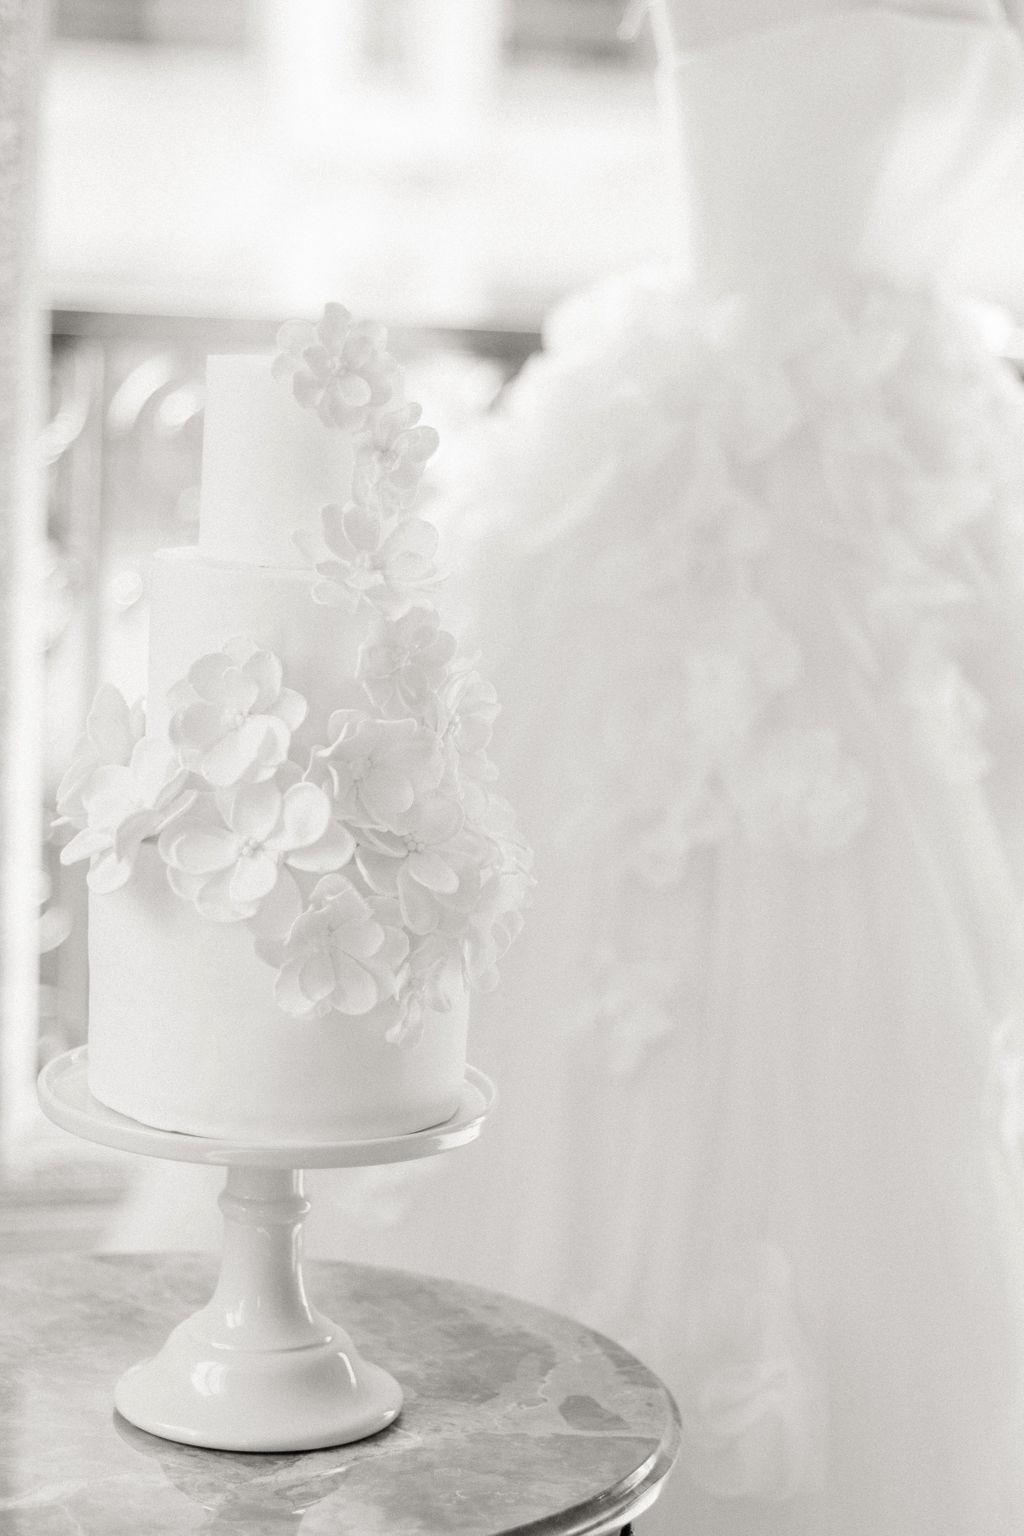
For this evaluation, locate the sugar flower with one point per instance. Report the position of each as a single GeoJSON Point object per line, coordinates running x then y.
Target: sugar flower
{"type": "Point", "coordinates": [344, 952]}
{"type": "Point", "coordinates": [237, 855]}
{"type": "Point", "coordinates": [495, 884]}
{"type": "Point", "coordinates": [493, 925]}
{"type": "Point", "coordinates": [378, 768]}
{"type": "Point", "coordinates": [389, 462]}
{"type": "Point", "coordinates": [470, 707]}
{"type": "Point", "coordinates": [426, 988]}
{"type": "Point", "coordinates": [234, 720]}
{"type": "Point", "coordinates": [390, 570]}
{"type": "Point", "coordinates": [405, 663]}
{"type": "Point", "coordinates": [417, 862]}
{"type": "Point", "coordinates": [124, 803]}
{"type": "Point", "coordinates": [340, 368]}
{"type": "Point", "coordinates": [111, 731]}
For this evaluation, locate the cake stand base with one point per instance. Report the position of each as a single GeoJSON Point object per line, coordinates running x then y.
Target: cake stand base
{"type": "Point", "coordinates": [321, 1396]}
{"type": "Point", "coordinates": [257, 1368]}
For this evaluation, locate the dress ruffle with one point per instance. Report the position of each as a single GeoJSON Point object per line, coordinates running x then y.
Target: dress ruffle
{"type": "Point", "coordinates": [752, 590]}
{"type": "Point", "coordinates": [794, 554]}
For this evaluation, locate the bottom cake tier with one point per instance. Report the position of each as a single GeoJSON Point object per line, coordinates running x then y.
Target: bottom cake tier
{"type": "Point", "coordinates": [184, 1035]}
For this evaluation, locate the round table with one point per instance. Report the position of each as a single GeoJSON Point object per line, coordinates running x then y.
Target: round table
{"type": "Point", "coordinates": [515, 1419]}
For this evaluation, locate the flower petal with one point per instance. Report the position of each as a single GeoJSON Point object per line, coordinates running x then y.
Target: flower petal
{"type": "Point", "coordinates": [332, 521]}
{"type": "Point", "coordinates": [84, 845]}
{"type": "Point", "coordinates": [107, 873]}
{"type": "Point", "coordinates": [316, 976]}
{"type": "Point", "coordinates": [289, 995]}
{"type": "Point", "coordinates": [305, 816]}
{"type": "Point", "coordinates": [386, 792]}
{"type": "Point", "coordinates": [273, 745]}
{"type": "Point", "coordinates": [184, 885]}
{"type": "Point", "coordinates": [339, 894]}
{"type": "Point", "coordinates": [413, 537]}
{"type": "Point", "coordinates": [264, 671]}
{"type": "Point", "coordinates": [170, 807]}
{"type": "Point", "coordinates": [110, 795]}
{"type": "Point", "coordinates": [439, 819]}
{"type": "Point", "coordinates": [213, 900]}
{"type": "Point", "coordinates": [349, 391]}
{"type": "Point", "coordinates": [362, 938]}
{"type": "Point", "coordinates": [355, 991]}
{"type": "Point", "coordinates": [253, 877]}
{"type": "Point", "coordinates": [423, 442]}
{"type": "Point", "coordinates": [198, 725]}
{"type": "Point", "coordinates": [109, 726]}
{"type": "Point", "coordinates": [229, 760]}
{"type": "Point", "coordinates": [69, 790]}
{"type": "Point", "coordinates": [317, 359]}
{"type": "Point", "coordinates": [334, 325]}
{"type": "Point", "coordinates": [388, 843]}
{"type": "Point", "coordinates": [393, 953]}
{"type": "Point", "coordinates": [130, 834]}
{"type": "Point", "coordinates": [291, 707]}
{"type": "Point", "coordinates": [362, 528]}
{"type": "Point", "coordinates": [54, 927]}
{"type": "Point", "coordinates": [201, 851]}
{"type": "Point", "coordinates": [348, 725]}
{"type": "Point", "coordinates": [329, 852]}
{"type": "Point", "coordinates": [379, 871]}
{"type": "Point", "coordinates": [429, 869]}
{"type": "Point", "coordinates": [254, 810]}
{"type": "Point", "coordinates": [419, 912]}
{"type": "Point", "coordinates": [207, 677]}
{"type": "Point", "coordinates": [306, 387]}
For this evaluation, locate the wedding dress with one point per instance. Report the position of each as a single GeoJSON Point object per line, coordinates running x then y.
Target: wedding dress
{"type": "Point", "coordinates": [747, 544]}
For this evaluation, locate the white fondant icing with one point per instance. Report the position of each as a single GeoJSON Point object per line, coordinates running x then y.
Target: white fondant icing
{"type": "Point", "coordinates": [268, 465]}
{"type": "Point", "coordinates": [184, 1034]}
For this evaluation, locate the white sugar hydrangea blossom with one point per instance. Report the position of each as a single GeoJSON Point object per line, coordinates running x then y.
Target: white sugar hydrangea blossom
{"type": "Point", "coordinates": [375, 866]}
{"type": "Point", "coordinates": [232, 718]}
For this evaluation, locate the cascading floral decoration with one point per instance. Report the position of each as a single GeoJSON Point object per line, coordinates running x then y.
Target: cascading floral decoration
{"type": "Point", "coordinates": [378, 864]}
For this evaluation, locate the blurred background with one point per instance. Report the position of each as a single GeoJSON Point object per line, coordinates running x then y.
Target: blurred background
{"type": "Point", "coordinates": [205, 169]}
{"type": "Point", "coordinates": [448, 161]}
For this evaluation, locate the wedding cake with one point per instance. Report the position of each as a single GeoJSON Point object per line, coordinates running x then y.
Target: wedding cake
{"type": "Point", "coordinates": [298, 867]}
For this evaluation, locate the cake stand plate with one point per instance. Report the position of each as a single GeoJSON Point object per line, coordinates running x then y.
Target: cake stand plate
{"type": "Point", "coordinates": [66, 1100]}
{"type": "Point", "coordinates": [258, 1368]}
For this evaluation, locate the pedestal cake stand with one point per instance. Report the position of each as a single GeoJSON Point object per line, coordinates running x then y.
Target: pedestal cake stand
{"type": "Point", "coordinates": [258, 1368]}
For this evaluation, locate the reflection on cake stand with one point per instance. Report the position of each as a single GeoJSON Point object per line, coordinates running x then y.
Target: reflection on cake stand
{"type": "Point", "coordinates": [258, 1368]}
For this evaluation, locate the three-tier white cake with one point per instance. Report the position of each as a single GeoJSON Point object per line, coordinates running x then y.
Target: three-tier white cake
{"type": "Point", "coordinates": [298, 867]}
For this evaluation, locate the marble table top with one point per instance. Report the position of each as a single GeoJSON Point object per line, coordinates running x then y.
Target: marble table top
{"type": "Point", "coordinates": [514, 1417]}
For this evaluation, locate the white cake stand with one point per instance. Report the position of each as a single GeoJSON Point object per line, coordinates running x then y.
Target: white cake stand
{"type": "Point", "coordinates": [258, 1368]}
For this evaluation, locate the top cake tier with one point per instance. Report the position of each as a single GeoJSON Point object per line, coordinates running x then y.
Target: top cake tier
{"type": "Point", "coordinates": [268, 467]}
